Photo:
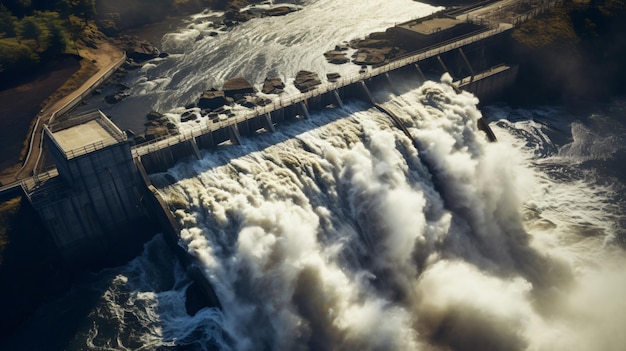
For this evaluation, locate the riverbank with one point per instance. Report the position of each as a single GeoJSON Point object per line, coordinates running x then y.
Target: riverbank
{"type": "Point", "coordinates": [571, 54]}
{"type": "Point", "coordinates": [39, 97]}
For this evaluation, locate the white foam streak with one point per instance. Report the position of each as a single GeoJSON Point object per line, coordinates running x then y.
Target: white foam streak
{"type": "Point", "coordinates": [272, 46]}
{"type": "Point", "coordinates": [345, 236]}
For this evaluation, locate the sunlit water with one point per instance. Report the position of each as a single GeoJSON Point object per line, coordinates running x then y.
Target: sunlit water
{"type": "Point", "coordinates": [341, 233]}
{"type": "Point", "coordinates": [254, 50]}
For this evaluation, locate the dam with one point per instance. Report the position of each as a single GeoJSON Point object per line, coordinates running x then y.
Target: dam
{"type": "Point", "coordinates": [100, 187]}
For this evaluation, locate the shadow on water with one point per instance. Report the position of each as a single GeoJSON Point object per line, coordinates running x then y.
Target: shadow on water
{"type": "Point", "coordinates": [50, 304]}
{"type": "Point", "coordinates": [115, 308]}
{"type": "Point", "coordinates": [32, 273]}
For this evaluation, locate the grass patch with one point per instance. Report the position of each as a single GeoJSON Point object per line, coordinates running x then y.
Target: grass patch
{"type": "Point", "coordinates": [8, 212]}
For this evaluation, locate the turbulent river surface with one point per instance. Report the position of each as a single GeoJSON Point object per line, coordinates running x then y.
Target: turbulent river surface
{"type": "Point", "coordinates": [341, 233]}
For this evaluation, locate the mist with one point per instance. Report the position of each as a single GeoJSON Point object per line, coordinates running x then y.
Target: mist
{"type": "Point", "coordinates": [346, 236]}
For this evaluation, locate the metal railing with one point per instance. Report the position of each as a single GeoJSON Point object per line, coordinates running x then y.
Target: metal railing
{"type": "Point", "coordinates": [534, 12]}
{"type": "Point", "coordinates": [99, 118]}
{"type": "Point", "coordinates": [164, 142]}
{"type": "Point", "coordinates": [93, 86]}
{"type": "Point", "coordinates": [65, 108]}
{"type": "Point", "coordinates": [32, 183]}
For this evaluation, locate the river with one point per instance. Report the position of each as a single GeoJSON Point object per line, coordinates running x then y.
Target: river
{"type": "Point", "coordinates": [339, 232]}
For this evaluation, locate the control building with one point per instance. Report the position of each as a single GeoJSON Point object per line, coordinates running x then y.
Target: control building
{"type": "Point", "coordinates": [93, 202]}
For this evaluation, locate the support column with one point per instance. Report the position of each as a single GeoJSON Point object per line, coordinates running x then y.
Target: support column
{"type": "Point", "coordinates": [233, 133]}
{"type": "Point", "coordinates": [443, 65]}
{"type": "Point", "coordinates": [367, 93]}
{"type": "Point", "coordinates": [338, 98]}
{"type": "Point", "coordinates": [196, 150]}
{"type": "Point", "coordinates": [420, 73]}
{"type": "Point", "coordinates": [305, 111]}
{"type": "Point", "coordinates": [393, 88]}
{"type": "Point", "coordinates": [269, 125]}
{"type": "Point", "coordinates": [468, 64]}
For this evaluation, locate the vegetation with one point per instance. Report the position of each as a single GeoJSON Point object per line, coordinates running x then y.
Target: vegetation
{"type": "Point", "coordinates": [35, 31]}
{"type": "Point", "coordinates": [573, 52]}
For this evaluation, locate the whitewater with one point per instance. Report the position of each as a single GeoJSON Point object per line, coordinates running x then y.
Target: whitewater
{"type": "Point", "coordinates": [340, 232]}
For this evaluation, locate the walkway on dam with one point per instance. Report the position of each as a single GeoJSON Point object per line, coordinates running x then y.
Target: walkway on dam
{"type": "Point", "coordinates": [412, 58]}
{"type": "Point", "coordinates": [499, 13]}
{"type": "Point", "coordinates": [107, 65]}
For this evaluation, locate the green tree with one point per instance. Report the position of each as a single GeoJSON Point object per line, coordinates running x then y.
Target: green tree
{"type": "Point", "coordinates": [85, 9]}
{"type": "Point", "coordinates": [16, 58]}
{"type": "Point", "coordinates": [7, 22]}
{"type": "Point", "coordinates": [57, 40]}
{"type": "Point", "coordinates": [31, 29]}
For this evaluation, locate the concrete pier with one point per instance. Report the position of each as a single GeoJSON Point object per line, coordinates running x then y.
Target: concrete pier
{"type": "Point", "coordinates": [490, 83]}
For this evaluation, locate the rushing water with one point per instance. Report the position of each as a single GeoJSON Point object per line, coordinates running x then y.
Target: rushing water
{"type": "Point", "coordinates": [337, 233]}
{"type": "Point", "coordinates": [340, 232]}
{"type": "Point", "coordinates": [254, 50]}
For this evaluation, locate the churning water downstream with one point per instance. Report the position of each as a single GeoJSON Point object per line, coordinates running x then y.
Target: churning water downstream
{"type": "Point", "coordinates": [337, 233]}
{"type": "Point", "coordinates": [341, 233]}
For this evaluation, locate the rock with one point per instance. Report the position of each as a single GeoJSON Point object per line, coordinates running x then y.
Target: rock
{"type": "Point", "coordinates": [163, 55]}
{"type": "Point", "coordinates": [370, 43]}
{"type": "Point", "coordinates": [139, 139]}
{"type": "Point", "coordinates": [154, 115]}
{"type": "Point", "coordinates": [263, 102]}
{"type": "Point", "coordinates": [188, 116]}
{"type": "Point", "coordinates": [234, 15]}
{"type": "Point", "coordinates": [279, 11]}
{"type": "Point", "coordinates": [115, 98]}
{"type": "Point", "coordinates": [249, 102]}
{"type": "Point", "coordinates": [336, 57]}
{"type": "Point", "coordinates": [190, 106]}
{"type": "Point", "coordinates": [139, 50]}
{"type": "Point", "coordinates": [238, 86]}
{"type": "Point", "coordinates": [212, 99]}
{"type": "Point", "coordinates": [97, 92]}
{"type": "Point", "coordinates": [131, 65]}
{"type": "Point", "coordinates": [306, 81]}
{"type": "Point", "coordinates": [213, 34]}
{"type": "Point", "coordinates": [273, 86]}
{"type": "Point", "coordinates": [158, 126]}
{"type": "Point", "coordinates": [333, 77]}
{"type": "Point", "coordinates": [341, 47]}
{"type": "Point", "coordinates": [367, 56]}
{"type": "Point", "coordinates": [157, 132]}
{"type": "Point", "coordinates": [378, 35]}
